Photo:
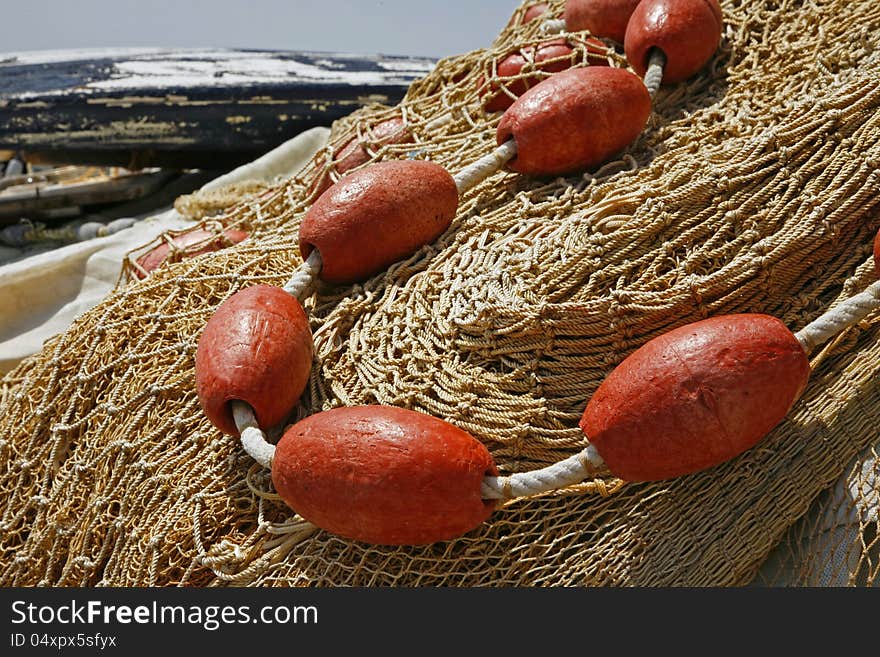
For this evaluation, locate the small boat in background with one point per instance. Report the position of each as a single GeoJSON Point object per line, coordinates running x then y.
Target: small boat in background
{"type": "Point", "coordinates": [183, 108]}
{"type": "Point", "coordinates": [62, 191]}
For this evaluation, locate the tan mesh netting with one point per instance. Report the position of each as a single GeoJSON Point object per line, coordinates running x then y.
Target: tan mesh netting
{"type": "Point", "coordinates": [753, 188]}
{"type": "Point", "coordinates": [208, 203]}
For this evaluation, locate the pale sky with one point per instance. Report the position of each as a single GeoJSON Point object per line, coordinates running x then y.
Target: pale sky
{"type": "Point", "coordinates": [417, 27]}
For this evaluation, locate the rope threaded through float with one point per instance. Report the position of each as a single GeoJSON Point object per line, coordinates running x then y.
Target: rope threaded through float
{"type": "Point", "coordinates": [835, 321]}
{"type": "Point", "coordinates": [304, 276]}
{"type": "Point", "coordinates": [473, 174]}
{"type": "Point", "coordinates": [572, 470]}
{"type": "Point", "coordinates": [252, 437]}
{"type": "Point", "coordinates": [654, 74]}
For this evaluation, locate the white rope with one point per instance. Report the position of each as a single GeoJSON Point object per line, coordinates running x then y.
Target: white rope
{"type": "Point", "coordinates": [473, 174]}
{"type": "Point", "coordinates": [305, 275]}
{"type": "Point", "coordinates": [553, 26]}
{"type": "Point", "coordinates": [654, 74]}
{"type": "Point", "coordinates": [252, 438]}
{"type": "Point", "coordinates": [572, 470]}
{"type": "Point", "coordinates": [837, 320]}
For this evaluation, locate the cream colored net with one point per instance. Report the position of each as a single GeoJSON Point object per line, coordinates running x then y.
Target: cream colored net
{"type": "Point", "coordinates": [753, 188]}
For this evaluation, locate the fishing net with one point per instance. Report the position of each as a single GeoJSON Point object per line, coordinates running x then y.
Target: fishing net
{"type": "Point", "coordinates": [211, 202]}
{"type": "Point", "coordinates": [753, 188]}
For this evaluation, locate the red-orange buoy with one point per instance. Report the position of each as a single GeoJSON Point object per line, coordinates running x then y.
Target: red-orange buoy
{"type": "Point", "coordinates": [557, 51]}
{"type": "Point", "coordinates": [604, 18]}
{"type": "Point", "coordinates": [154, 259]}
{"type": "Point", "coordinates": [551, 57]}
{"type": "Point", "coordinates": [696, 396]}
{"type": "Point", "coordinates": [877, 254]}
{"type": "Point", "coordinates": [353, 153]}
{"type": "Point", "coordinates": [687, 31]}
{"type": "Point", "coordinates": [383, 475]}
{"type": "Point", "coordinates": [575, 120]}
{"type": "Point", "coordinates": [376, 216]}
{"type": "Point", "coordinates": [257, 348]}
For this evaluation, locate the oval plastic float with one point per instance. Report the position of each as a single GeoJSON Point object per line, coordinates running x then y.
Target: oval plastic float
{"type": "Point", "coordinates": [687, 31]}
{"type": "Point", "coordinates": [377, 216]}
{"type": "Point", "coordinates": [696, 396]}
{"type": "Point", "coordinates": [603, 18]}
{"type": "Point", "coordinates": [156, 257]}
{"type": "Point", "coordinates": [551, 57]}
{"type": "Point", "coordinates": [575, 120]}
{"type": "Point", "coordinates": [383, 475]}
{"type": "Point", "coordinates": [256, 348]}
{"type": "Point", "coordinates": [354, 153]}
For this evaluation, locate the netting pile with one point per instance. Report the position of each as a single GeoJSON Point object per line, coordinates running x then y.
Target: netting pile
{"type": "Point", "coordinates": [754, 188]}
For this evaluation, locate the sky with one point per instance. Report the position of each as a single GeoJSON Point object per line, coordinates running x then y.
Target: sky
{"type": "Point", "coordinates": [393, 27]}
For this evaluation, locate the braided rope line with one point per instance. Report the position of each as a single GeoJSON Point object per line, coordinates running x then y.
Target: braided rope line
{"type": "Point", "coordinates": [588, 462]}
{"type": "Point", "coordinates": [473, 174]}
{"type": "Point", "coordinates": [835, 321]}
{"type": "Point", "coordinates": [439, 122]}
{"type": "Point", "coordinates": [570, 471]}
{"type": "Point", "coordinates": [573, 470]}
{"type": "Point", "coordinates": [252, 437]}
{"type": "Point", "coordinates": [654, 74]}
{"type": "Point", "coordinates": [304, 276]}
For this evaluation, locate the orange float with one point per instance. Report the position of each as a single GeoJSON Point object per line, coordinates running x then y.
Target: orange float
{"type": "Point", "coordinates": [687, 31]}
{"type": "Point", "coordinates": [377, 216]}
{"type": "Point", "coordinates": [575, 120]}
{"type": "Point", "coordinates": [696, 396]}
{"type": "Point", "coordinates": [383, 475]}
{"type": "Point", "coordinates": [604, 18]}
{"type": "Point", "coordinates": [155, 258]}
{"type": "Point", "coordinates": [256, 348]}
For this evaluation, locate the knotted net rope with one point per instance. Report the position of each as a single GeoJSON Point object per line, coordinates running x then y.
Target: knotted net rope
{"type": "Point", "coordinates": [753, 189]}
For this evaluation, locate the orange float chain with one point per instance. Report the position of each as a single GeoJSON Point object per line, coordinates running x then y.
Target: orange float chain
{"type": "Point", "coordinates": [687, 400]}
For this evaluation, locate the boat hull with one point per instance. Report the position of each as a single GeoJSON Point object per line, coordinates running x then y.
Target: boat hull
{"type": "Point", "coordinates": [183, 108]}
